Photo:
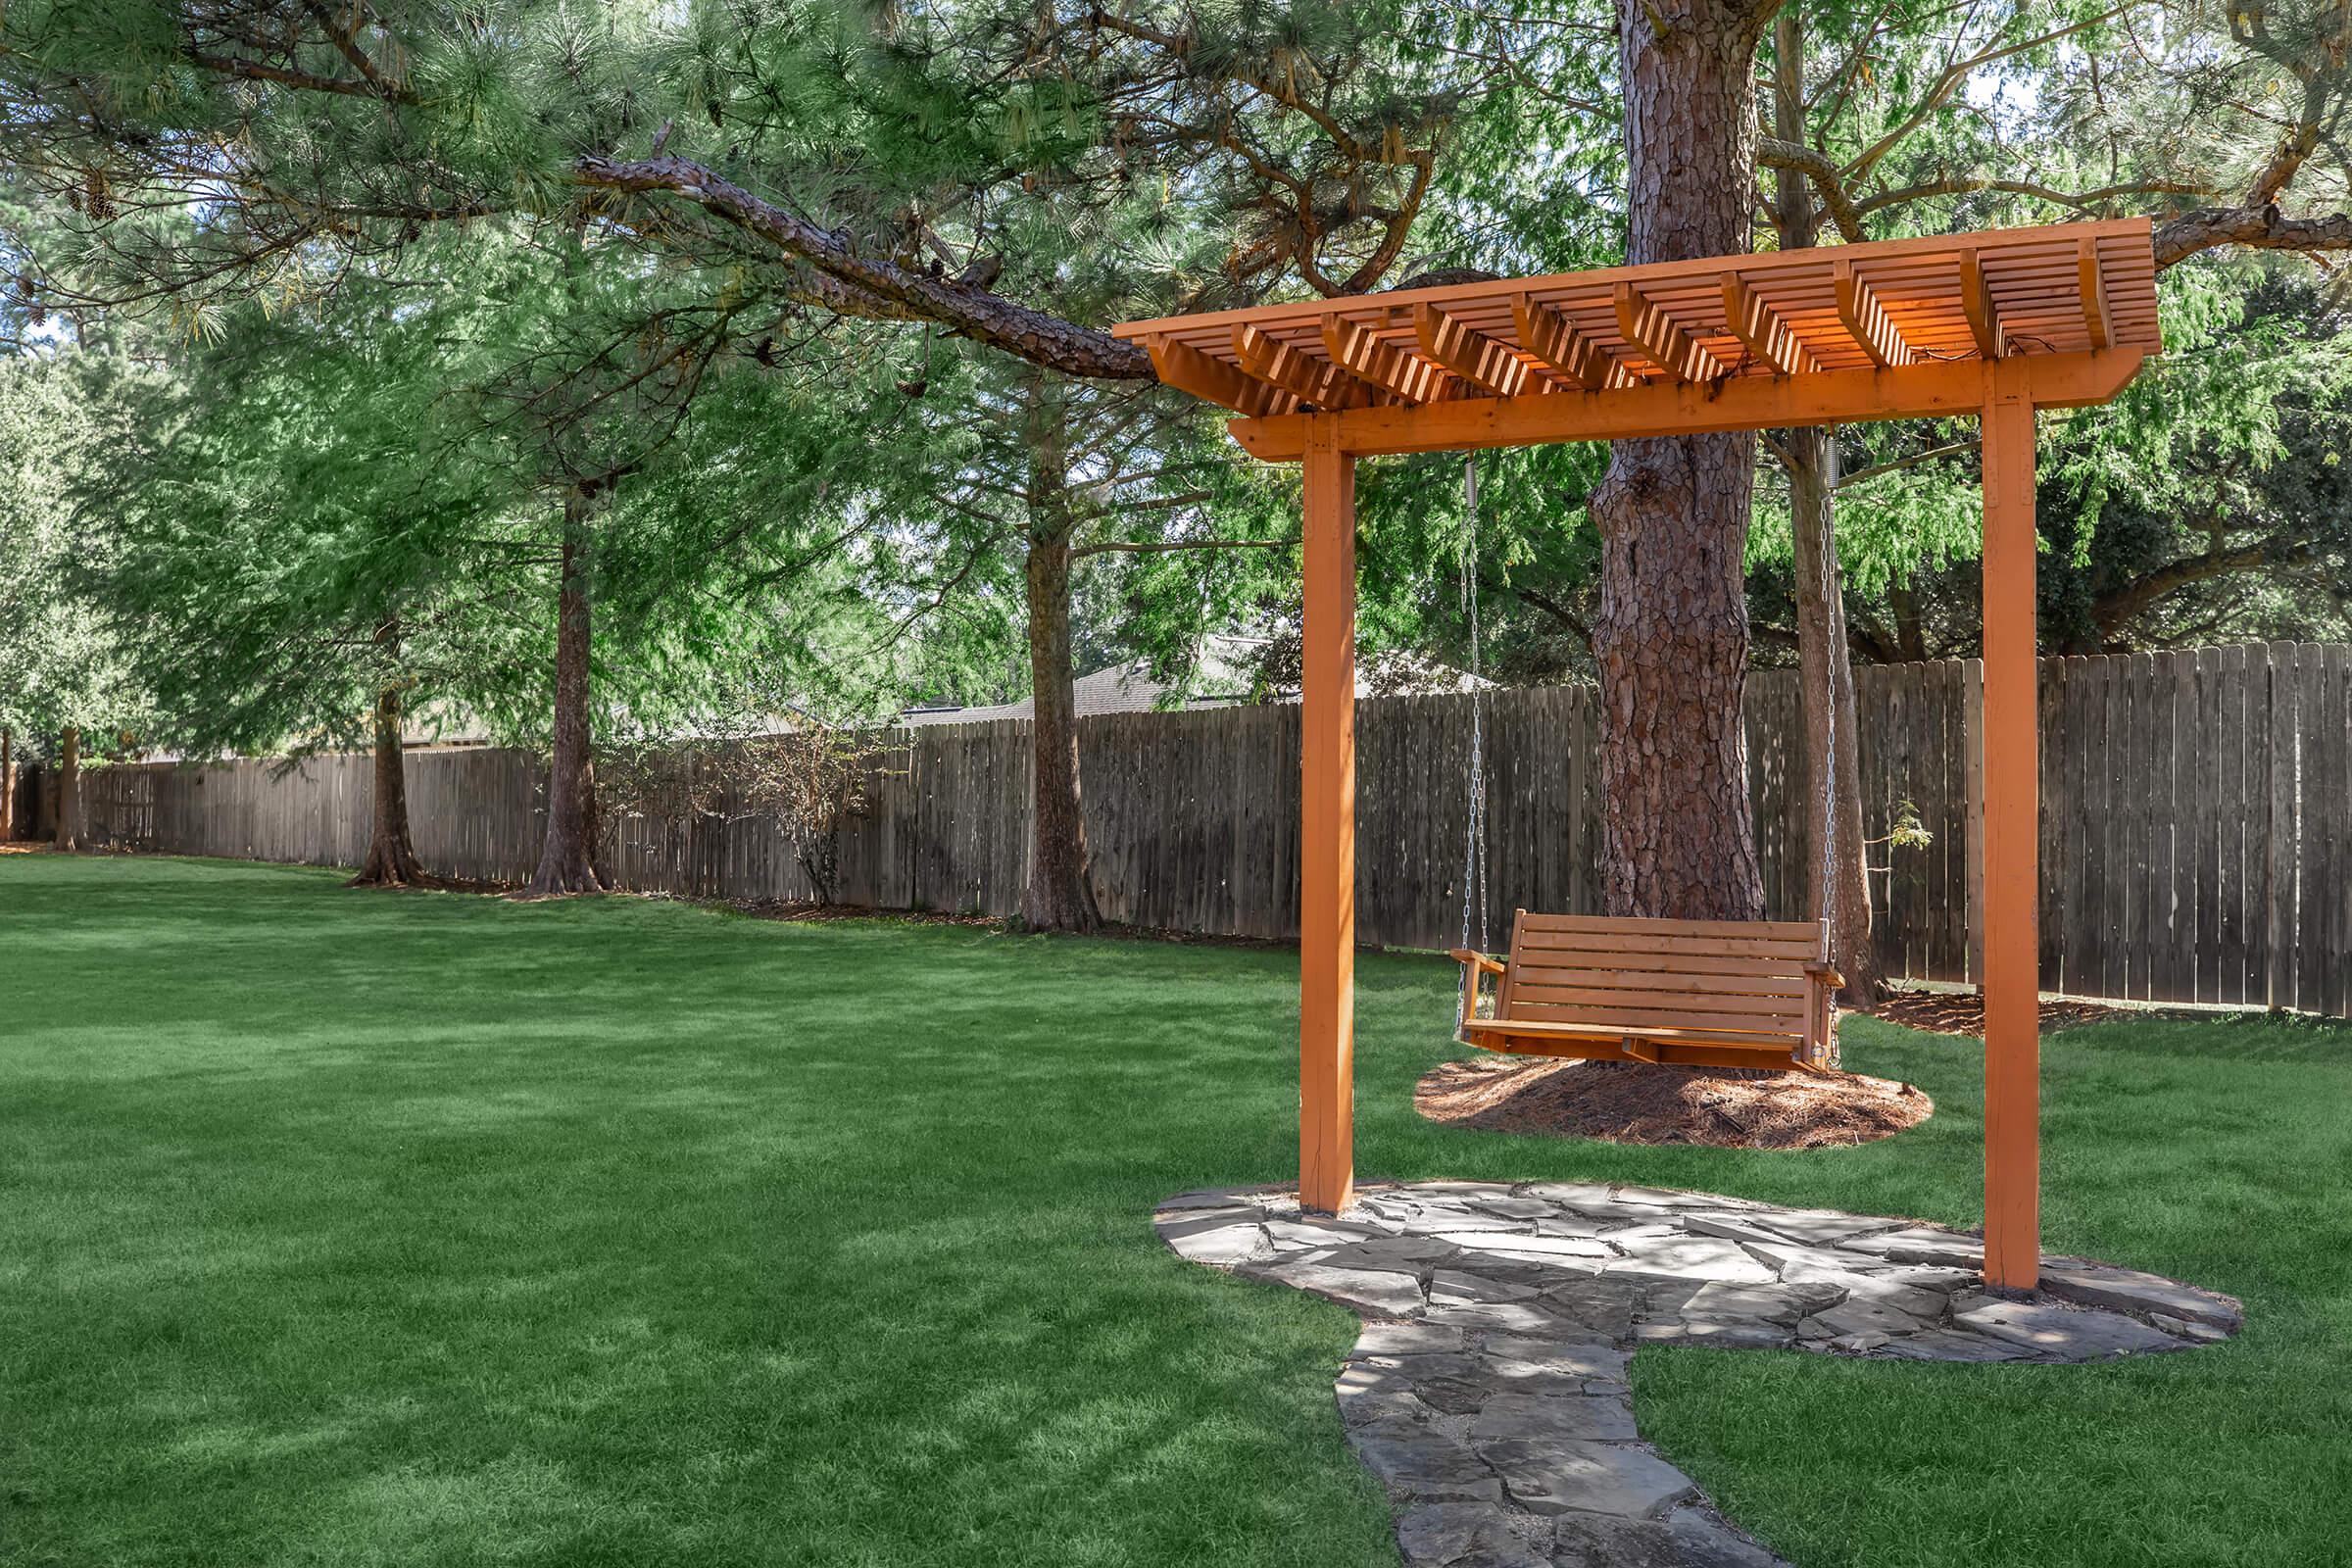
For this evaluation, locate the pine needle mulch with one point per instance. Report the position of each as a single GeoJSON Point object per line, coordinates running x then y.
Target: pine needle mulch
{"type": "Point", "coordinates": [1621, 1102]}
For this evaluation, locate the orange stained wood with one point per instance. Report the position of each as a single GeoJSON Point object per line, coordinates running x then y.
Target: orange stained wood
{"type": "Point", "coordinates": [1865, 320]}
{"type": "Point", "coordinates": [1327, 836]}
{"type": "Point", "coordinates": [1983, 316]}
{"type": "Point", "coordinates": [1660, 339]}
{"type": "Point", "coordinates": [1566, 352]}
{"type": "Point", "coordinates": [1912, 291]}
{"type": "Point", "coordinates": [2097, 323]}
{"type": "Point", "coordinates": [1760, 329]}
{"type": "Point", "coordinates": [1214, 380]}
{"type": "Point", "coordinates": [1990, 324]}
{"type": "Point", "coordinates": [1485, 362]}
{"type": "Point", "coordinates": [2012, 816]}
{"type": "Point", "coordinates": [1307, 377]}
{"type": "Point", "coordinates": [1939, 389]}
{"type": "Point", "coordinates": [1749, 993]}
{"type": "Point", "coordinates": [1356, 349]}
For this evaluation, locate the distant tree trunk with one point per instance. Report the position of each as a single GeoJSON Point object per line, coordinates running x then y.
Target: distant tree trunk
{"type": "Point", "coordinates": [566, 858]}
{"type": "Point", "coordinates": [1672, 636]}
{"type": "Point", "coordinates": [8, 785]}
{"type": "Point", "coordinates": [391, 861]}
{"type": "Point", "coordinates": [69, 790]}
{"type": "Point", "coordinates": [1061, 896]}
{"type": "Point", "coordinates": [1837, 886]}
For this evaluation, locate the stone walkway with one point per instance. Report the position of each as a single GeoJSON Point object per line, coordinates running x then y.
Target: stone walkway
{"type": "Point", "coordinates": [1487, 1390]}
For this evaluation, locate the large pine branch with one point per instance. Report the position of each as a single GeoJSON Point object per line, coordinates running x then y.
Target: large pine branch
{"type": "Point", "coordinates": [2262, 227]}
{"type": "Point", "coordinates": [873, 287]}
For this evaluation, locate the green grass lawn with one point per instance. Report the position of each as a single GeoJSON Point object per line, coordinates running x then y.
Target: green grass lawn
{"type": "Point", "coordinates": [340, 1227]}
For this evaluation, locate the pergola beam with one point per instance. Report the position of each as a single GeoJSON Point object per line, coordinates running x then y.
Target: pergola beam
{"type": "Point", "coordinates": [2097, 317]}
{"type": "Point", "coordinates": [1570, 355]}
{"type": "Point", "coordinates": [1867, 320]}
{"type": "Point", "coordinates": [1759, 326]}
{"type": "Point", "coordinates": [1356, 349]}
{"type": "Point", "coordinates": [1292, 368]}
{"type": "Point", "coordinates": [1662, 340]}
{"type": "Point", "coordinates": [1480, 361]}
{"type": "Point", "coordinates": [1188, 369]}
{"type": "Point", "coordinates": [1983, 316]}
{"type": "Point", "coordinates": [1934, 389]}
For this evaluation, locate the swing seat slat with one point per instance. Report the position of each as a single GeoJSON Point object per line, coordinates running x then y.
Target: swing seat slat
{"type": "Point", "coordinates": [1685, 992]}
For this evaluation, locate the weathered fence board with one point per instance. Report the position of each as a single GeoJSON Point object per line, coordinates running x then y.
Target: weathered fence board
{"type": "Point", "coordinates": [2196, 846]}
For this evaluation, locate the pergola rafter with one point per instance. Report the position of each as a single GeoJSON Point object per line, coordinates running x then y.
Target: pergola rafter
{"type": "Point", "coordinates": [1994, 325]}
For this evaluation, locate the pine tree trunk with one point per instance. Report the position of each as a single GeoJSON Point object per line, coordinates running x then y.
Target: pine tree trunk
{"type": "Point", "coordinates": [1672, 636]}
{"type": "Point", "coordinates": [1060, 895]}
{"type": "Point", "coordinates": [1837, 885]}
{"type": "Point", "coordinates": [566, 858]}
{"type": "Point", "coordinates": [69, 788]}
{"type": "Point", "coordinates": [391, 861]}
{"type": "Point", "coordinates": [8, 784]}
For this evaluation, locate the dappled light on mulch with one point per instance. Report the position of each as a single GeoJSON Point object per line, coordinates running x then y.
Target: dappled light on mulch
{"type": "Point", "coordinates": [1635, 1103]}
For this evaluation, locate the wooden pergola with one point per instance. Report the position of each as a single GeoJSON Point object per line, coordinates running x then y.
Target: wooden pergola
{"type": "Point", "coordinates": [1997, 325]}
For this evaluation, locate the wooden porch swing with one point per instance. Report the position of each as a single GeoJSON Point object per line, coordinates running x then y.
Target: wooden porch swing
{"type": "Point", "coordinates": [1679, 993]}
{"type": "Point", "coordinates": [1757, 994]}
{"type": "Point", "coordinates": [1992, 325]}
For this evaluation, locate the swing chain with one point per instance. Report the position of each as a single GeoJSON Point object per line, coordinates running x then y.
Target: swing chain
{"type": "Point", "coordinates": [1474, 836]}
{"type": "Point", "coordinates": [1826, 778]}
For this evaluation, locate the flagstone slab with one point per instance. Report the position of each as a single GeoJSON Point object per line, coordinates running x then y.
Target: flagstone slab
{"type": "Point", "coordinates": [2064, 1333]}
{"type": "Point", "coordinates": [1487, 1390]}
{"type": "Point", "coordinates": [2129, 1291]}
{"type": "Point", "coordinates": [1584, 1418]}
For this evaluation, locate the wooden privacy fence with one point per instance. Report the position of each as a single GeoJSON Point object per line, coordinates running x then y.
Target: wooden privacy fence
{"type": "Point", "coordinates": [2197, 831]}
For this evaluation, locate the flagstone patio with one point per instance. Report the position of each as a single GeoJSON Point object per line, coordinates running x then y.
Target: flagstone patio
{"type": "Point", "coordinates": [1489, 1389]}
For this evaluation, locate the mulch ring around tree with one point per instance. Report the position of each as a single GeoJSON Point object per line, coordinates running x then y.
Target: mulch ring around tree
{"type": "Point", "coordinates": [1636, 1104]}
{"type": "Point", "coordinates": [1962, 1012]}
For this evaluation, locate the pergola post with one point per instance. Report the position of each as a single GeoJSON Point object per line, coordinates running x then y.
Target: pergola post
{"type": "Point", "coordinates": [2012, 822]}
{"type": "Point", "coordinates": [1327, 830]}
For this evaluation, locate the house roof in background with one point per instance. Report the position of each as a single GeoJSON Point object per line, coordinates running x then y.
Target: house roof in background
{"type": "Point", "coordinates": [1228, 679]}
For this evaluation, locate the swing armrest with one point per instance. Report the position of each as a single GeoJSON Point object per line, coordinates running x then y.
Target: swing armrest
{"type": "Point", "coordinates": [1472, 965]}
{"type": "Point", "coordinates": [1823, 975]}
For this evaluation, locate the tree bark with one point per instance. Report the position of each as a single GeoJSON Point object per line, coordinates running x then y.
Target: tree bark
{"type": "Point", "coordinates": [1838, 883]}
{"type": "Point", "coordinates": [1060, 895]}
{"type": "Point", "coordinates": [566, 858]}
{"type": "Point", "coordinates": [69, 788]}
{"type": "Point", "coordinates": [8, 785]}
{"type": "Point", "coordinates": [391, 861]}
{"type": "Point", "coordinates": [1672, 637]}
